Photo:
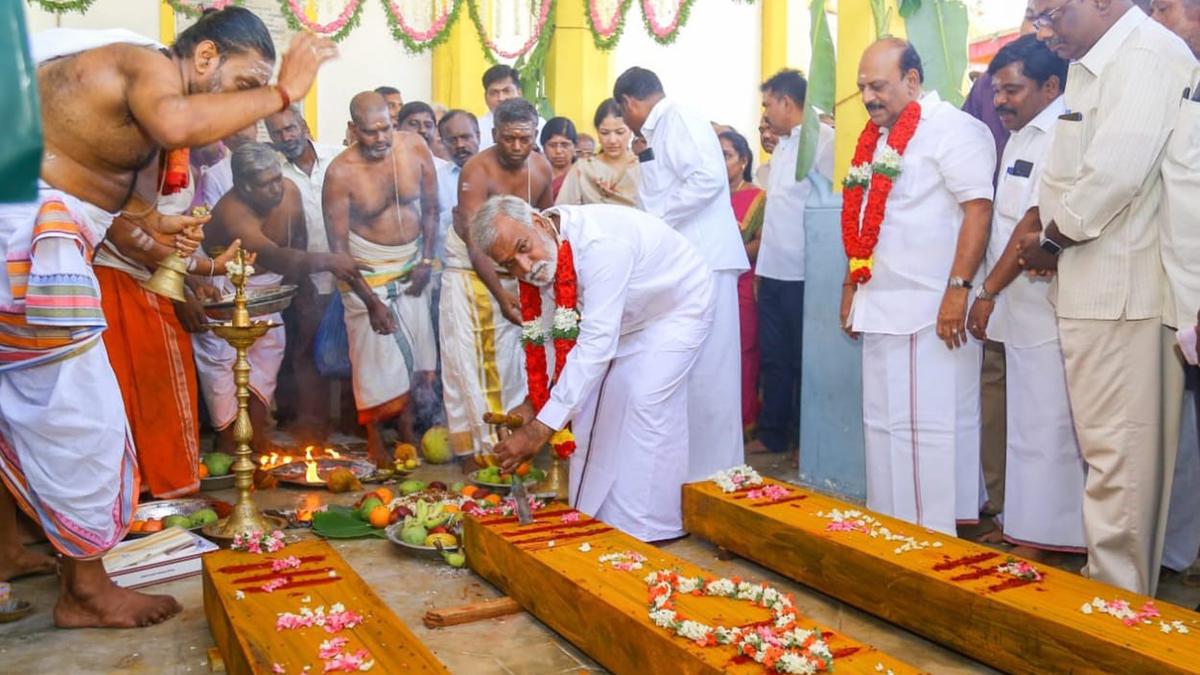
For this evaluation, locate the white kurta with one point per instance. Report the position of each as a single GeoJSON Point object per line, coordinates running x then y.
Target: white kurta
{"type": "Point", "coordinates": [685, 184]}
{"type": "Point", "coordinates": [483, 366]}
{"type": "Point", "coordinates": [1044, 472]}
{"type": "Point", "coordinates": [646, 303]}
{"type": "Point", "coordinates": [920, 399]}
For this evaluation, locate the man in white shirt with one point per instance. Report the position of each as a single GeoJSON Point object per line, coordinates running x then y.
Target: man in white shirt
{"type": "Point", "coordinates": [1181, 17]}
{"type": "Point", "coordinates": [1101, 203]}
{"type": "Point", "coordinates": [418, 117]}
{"type": "Point", "coordinates": [645, 299]}
{"type": "Point", "coordinates": [215, 177]}
{"type": "Point", "coordinates": [920, 368]}
{"type": "Point", "coordinates": [500, 83]}
{"type": "Point", "coordinates": [780, 267]}
{"type": "Point", "coordinates": [459, 130]}
{"type": "Point", "coordinates": [304, 162]}
{"type": "Point", "coordinates": [683, 181]}
{"type": "Point", "coordinates": [1044, 471]}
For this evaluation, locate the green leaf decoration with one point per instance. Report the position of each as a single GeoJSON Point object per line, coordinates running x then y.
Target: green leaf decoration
{"type": "Point", "coordinates": [339, 522]}
{"type": "Point", "coordinates": [938, 29]}
{"type": "Point", "coordinates": [822, 81]}
{"type": "Point", "coordinates": [883, 17]}
{"type": "Point", "coordinates": [907, 7]}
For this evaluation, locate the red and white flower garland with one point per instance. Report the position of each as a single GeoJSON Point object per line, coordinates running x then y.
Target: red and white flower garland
{"type": "Point", "coordinates": [780, 646]}
{"type": "Point", "coordinates": [564, 334]}
{"type": "Point", "coordinates": [860, 229]}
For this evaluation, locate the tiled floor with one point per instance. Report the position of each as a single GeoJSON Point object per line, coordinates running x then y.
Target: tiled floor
{"type": "Point", "coordinates": [410, 586]}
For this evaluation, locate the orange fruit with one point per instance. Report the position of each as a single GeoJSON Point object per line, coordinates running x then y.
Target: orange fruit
{"type": "Point", "coordinates": [494, 500]}
{"type": "Point", "coordinates": [384, 494]}
{"type": "Point", "coordinates": [470, 490]}
{"type": "Point", "coordinates": [379, 517]}
{"type": "Point", "coordinates": [203, 471]}
{"type": "Point", "coordinates": [450, 508]}
{"type": "Point", "coordinates": [136, 526]}
{"type": "Point", "coordinates": [152, 525]}
{"type": "Point", "coordinates": [523, 469]}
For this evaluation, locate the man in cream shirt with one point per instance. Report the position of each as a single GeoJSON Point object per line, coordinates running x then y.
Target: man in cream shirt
{"type": "Point", "coordinates": [1101, 199]}
{"type": "Point", "coordinates": [920, 368]}
{"type": "Point", "coordinates": [683, 181]}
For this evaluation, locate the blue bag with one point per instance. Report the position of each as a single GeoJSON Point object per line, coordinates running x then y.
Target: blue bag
{"type": "Point", "coordinates": [331, 351]}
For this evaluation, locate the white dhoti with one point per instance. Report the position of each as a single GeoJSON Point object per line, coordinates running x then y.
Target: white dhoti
{"type": "Point", "coordinates": [715, 387]}
{"type": "Point", "coordinates": [483, 364]}
{"type": "Point", "coordinates": [215, 359]}
{"type": "Point", "coordinates": [1045, 472]}
{"type": "Point", "coordinates": [383, 365]}
{"type": "Point", "coordinates": [633, 432]}
{"type": "Point", "coordinates": [65, 452]}
{"type": "Point", "coordinates": [921, 427]}
{"type": "Point", "coordinates": [1182, 543]}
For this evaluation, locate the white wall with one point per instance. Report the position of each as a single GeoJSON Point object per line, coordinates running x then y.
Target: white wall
{"type": "Point", "coordinates": [370, 57]}
{"type": "Point", "coordinates": [140, 16]}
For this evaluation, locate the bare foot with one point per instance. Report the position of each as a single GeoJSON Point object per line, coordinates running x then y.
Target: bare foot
{"type": "Point", "coordinates": [992, 536]}
{"type": "Point", "coordinates": [19, 561]}
{"type": "Point", "coordinates": [89, 599]}
{"type": "Point", "coordinates": [756, 447]}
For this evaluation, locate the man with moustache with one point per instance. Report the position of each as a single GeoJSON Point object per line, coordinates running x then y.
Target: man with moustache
{"type": "Point", "coordinates": [482, 361]}
{"type": "Point", "coordinates": [1101, 205]}
{"type": "Point", "coordinates": [395, 101]}
{"type": "Point", "coordinates": [1044, 471]}
{"type": "Point", "coordinates": [1181, 17]}
{"type": "Point", "coordinates": [920, 367]}
{"type": "Point", "coordinates": [646, 300]}
{"type": "Point", "coordinates": [305, 399]}
{"type": "Point", "coordinates": [372, 212]}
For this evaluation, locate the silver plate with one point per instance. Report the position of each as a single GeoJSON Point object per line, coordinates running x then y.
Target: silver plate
{"type": "Point", "coordinates": [259, 302]}
{"type": "Point", "coordinates": [497, 487]}
{"type": "Point", "coordinates": [393, 535]}
{"type": "Point", "coordinates": [157, 510]}
{"type": "Point", "coordinates": [294, 472]}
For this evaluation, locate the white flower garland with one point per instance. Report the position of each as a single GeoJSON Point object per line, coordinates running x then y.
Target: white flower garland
{"type": "Point", "coordinates": [235, 269]}
{"type": "Point", "coordinates": [732, 480]}
{"type": "Point", "coordinates": [566, 323]}
{"type": "Point", "coordinates": [533, 333]}
{"type": "Point", "coordinates": [781, 647]}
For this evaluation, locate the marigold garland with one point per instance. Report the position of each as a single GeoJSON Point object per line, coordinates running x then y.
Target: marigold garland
{"type": "Point", "coordinates": [859, 240]}
{"type": "Point", "coordinates": [564, 334]}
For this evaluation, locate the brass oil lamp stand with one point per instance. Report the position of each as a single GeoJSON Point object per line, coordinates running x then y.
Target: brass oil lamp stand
{"type": "Point", "coordinates": [241, 333]}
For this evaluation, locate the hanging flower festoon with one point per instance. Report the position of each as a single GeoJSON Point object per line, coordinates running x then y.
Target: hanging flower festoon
{"type": "Point", "coordinates": [606, 20]}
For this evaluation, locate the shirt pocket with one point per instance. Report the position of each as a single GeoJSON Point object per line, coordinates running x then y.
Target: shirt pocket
{"type": "Point", "coordinates": [1012, 196]}
{"type": "Point", "coordinates": [1062, 163]}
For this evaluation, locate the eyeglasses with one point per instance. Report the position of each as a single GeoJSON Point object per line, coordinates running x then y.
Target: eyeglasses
{"type": "Point", "coordinates": [1047, 19]}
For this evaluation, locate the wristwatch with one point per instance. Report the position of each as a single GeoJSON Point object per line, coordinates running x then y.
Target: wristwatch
{"type": "Point", "coordinates": [1050, 246]}
{"type": "Point", "coordinates": [958, 282]}
{"type": "Point", "coordinates": [984, 295]}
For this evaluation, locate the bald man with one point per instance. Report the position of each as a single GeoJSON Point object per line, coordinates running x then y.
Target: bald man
{"type": "Point", "coordinates": [370, 201]}
{"type": "Point", "coordinates": [920, 366]}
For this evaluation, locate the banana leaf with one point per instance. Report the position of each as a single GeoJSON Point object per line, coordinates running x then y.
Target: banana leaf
{"type": "Point", "coordinates": [820, 97]}
{"type": "Point", "coordinates": [938, 30]}
{"type": "Point", "coordinates": [339, 522]}
{"type": "Point", "coordinates": [21, 152]}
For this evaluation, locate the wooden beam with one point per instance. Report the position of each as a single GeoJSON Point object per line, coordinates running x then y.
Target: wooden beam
{"type": "Point", "coordinates": [948, 591]}
{"type": "Point", "coordinates": [244, 629]}
{"type": "Point", "coordinates": [604, 611]}
{"type": "Point", "coordinates": [475, 611]}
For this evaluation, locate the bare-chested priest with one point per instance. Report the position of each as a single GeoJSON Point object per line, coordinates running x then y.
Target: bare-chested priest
{"type": "Point", "coordinates": [110, 100]}
{"type": "Point", "coordinates": [372, 212]}
{"type": "Point", "coordinates": [265, 212]}
{"type": "Point", "coordinates": [482, 361]}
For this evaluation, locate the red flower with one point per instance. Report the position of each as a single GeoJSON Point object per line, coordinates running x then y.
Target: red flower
{"type": "Point", "coordinates": [859, 240]}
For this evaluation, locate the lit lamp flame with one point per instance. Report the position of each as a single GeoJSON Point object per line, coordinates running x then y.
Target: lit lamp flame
{"type": "Point", "coordinates": [332, 453]}
{"type": "Point", "coordinates": [310, 467]}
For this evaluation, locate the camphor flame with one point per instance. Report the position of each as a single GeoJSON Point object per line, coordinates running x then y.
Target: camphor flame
{"type": "Point", "coordinates": [310, 467]}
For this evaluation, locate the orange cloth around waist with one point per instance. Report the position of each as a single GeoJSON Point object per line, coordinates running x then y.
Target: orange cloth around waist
{"type": "Point", "coordinates": [151, 355]}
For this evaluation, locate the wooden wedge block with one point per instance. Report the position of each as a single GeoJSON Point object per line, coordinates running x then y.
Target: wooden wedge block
{"type": "Point", "coordinates": [244, 629]}
{"type": "Point", "coordinates": [475, 611]}
{"type": "Point", "coordinates": [604, 611]}
{"type": "Point", "coordinates": [948, 590]}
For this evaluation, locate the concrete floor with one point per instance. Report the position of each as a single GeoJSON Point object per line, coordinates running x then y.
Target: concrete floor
{"type": "Point", "coordinates": [516, 644]}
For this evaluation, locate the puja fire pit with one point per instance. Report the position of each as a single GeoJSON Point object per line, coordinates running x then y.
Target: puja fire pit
{"type": "Point", "coordinates": [313, 469]}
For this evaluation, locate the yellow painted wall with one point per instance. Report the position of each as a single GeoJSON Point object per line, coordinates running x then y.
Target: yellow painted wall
{"type": "Point", "coordinates": [855, 32]}
{"type": "Point", "coordinates": [578, 75]}
{"type": "Point", "coordinates": [458, 66]}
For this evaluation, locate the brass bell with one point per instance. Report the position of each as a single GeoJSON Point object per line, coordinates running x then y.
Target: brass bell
{"type": "Point", "coordinates": [557, 480]}
{"type": "Point", "coordinates": [168, 279]}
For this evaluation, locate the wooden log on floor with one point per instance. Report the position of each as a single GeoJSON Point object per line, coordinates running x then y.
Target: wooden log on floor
{"type": "Point", "coordinates": [475, 611]}
{"type": "Point", "coordinates": [949, 590]}
{"type": "Point", "coordinates": [604, 611]}
{"type": "Point", "coordinates": [244, 626]}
